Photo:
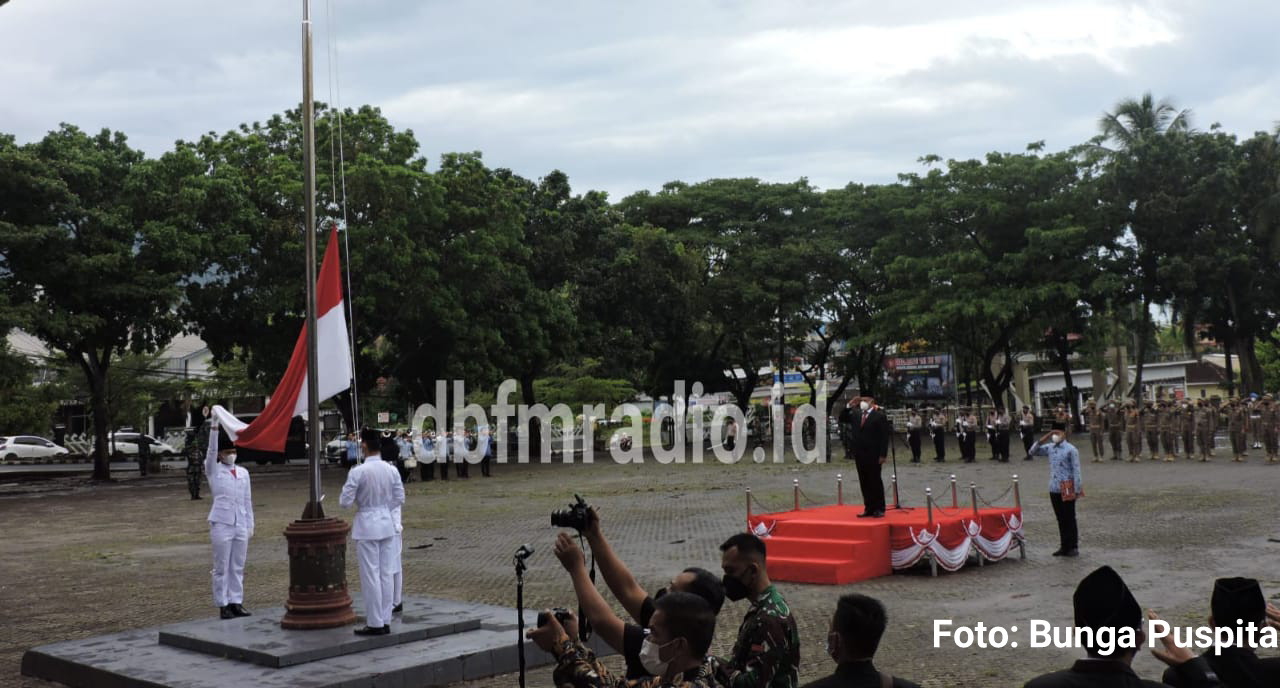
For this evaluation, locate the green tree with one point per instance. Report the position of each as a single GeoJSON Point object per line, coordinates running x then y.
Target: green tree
{"type": "Point", "coordinates": [95, 249]}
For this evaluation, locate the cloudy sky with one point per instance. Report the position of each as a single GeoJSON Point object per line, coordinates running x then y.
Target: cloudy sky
{"type": "Point", "coordinates": [628, 95]}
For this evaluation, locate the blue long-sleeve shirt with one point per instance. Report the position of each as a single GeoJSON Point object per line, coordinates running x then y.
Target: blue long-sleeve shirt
{"type": "Point", "coordinates": [1064, 464]}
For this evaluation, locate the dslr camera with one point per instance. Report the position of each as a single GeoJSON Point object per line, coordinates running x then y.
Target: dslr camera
{"type": "Point", "coordinates": [562, 615]}
{"type": "Point", "coordinates": [577, 516]}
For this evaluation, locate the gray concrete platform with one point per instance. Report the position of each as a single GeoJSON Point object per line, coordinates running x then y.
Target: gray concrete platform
{"type": "Point", "coordinates": [482, 644]}
{"type": "Point", "coordinates": [260, 640]}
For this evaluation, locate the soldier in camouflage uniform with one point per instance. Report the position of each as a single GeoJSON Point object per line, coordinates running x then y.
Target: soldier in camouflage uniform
{"type": "Point", "coordinates": [1097, 429]}
{"type": "Point", "coordinates": [1151, 425]}
{"type": "Point", "coordinates": [1237, 428]}
{"type": "Point", "coordinates": [767, 651]}
{"type": "Point", "coordinates": [1269, 417]}
{"type": "Point", "coordinates": [1167, 419]}
{"type": "Point", "coordinates": [1115, 428]}
{"type": "Point", "coordinates": [675, 649]}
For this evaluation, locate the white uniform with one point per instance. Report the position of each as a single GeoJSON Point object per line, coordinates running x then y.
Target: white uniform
{"type": "Point", "coordinates": [374, 488]}
{"type": "Point", "coordinates": [397, 559]}
{"type": "Point", "coordinates": [230, 524]}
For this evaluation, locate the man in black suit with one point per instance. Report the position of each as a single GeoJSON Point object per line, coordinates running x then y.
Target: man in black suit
{"type": "Point", "coordinates": [1102, 600]}
{"type": "Point", "coordinates": [854, 636]}
{"type": "Point", "coordinates": [869, 434]}
{"type": "Point", "coordinates": [1237, 601]}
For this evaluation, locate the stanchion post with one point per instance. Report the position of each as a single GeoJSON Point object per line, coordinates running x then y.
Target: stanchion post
{"type": "Point", "coordinates": [795, 491]}
{"type": "Point", "coordinates": [1017, 498]}
{"type": "Point", "coordinates": [955, 494]}
{"type": "Point", "coordinates": [894, 484]}
{"type": "Point", "coordinates": [973, 496]}
{"type": "Point", "coordinates": [748, 507]}
{"type": "Point", "coordinates": [928, 498]}
{"type": "Point", "coordinates": [839, 489]}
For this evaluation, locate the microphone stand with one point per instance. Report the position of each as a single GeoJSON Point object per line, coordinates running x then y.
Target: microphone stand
{"type": "Point", "coordinates": [518, 560]}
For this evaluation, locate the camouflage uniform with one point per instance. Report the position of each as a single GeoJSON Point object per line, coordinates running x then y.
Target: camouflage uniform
{"type": "Point", "coordinates": [767, 652]}
{"type": "Point", "coordinates": [577, 667]}
{"type": "Point", "coordinates": [195, 449]}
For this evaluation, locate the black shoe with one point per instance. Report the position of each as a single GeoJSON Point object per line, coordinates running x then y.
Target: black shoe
{"type": "Point", "coordinates": [196, 497]}
{"type": "Point", "coordinates": [876, 514]}
{"type": "Point", "coordinates": [1073, 552]}
{"type": "Point", "coordinates": [238, 610]}
{"type": "Point", "coordinates": [398, 608]}
{"type": "Point", "coordinates": [866, 514]}
{"type": "Point", "coordinates": [915, 461]}
{"type": "Point", "coordinates": [385, 630]}
{"type": "Point", "coordinates": [1058, 553]}
{"type": "Point", "coordinates": [1028, 458]}
{"type": "Point", "coordinates": [226, 612]}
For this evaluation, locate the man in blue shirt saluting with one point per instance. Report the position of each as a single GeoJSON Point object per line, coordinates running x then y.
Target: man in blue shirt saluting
{"type": "Point", "coordinates": [1065, 485]}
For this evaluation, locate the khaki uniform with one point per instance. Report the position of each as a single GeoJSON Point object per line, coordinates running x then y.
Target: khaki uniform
{"type": "Point", "coordinates": [1167, 424]}
{"type": "Point", "coordinates": [1150, 425]}
{"type": "Point", "coordinates": [1133, 433]}
{"type": "Point", "coordinates": [1206, 424]}
{"type": "Point", "coordinates": [1188, 430]}
{"type": "Point", "coordinates": [1237, 430]}
{"type": "Point", "coordinates": [1097, 430]}
{"type": "Point", "coordinates": [1269, 416]}
{"type": "Point", "coordinates": [1115, 430]}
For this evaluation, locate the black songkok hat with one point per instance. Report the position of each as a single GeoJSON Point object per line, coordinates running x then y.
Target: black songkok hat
{"type": "Point", "coordinates": [224, 440]}
{"type": "Point", "coordinates": [1102, 599]}
{"type": "Point", "coordinates": [1238, 599]}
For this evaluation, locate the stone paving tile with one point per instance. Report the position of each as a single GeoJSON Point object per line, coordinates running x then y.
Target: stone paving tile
{"type": "Point", "coordinates": [84, 560]}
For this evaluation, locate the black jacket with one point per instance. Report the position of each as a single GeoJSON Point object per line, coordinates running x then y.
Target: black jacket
{"type": "Point", "coordinates": [1105, 673]}
{"type": "Point", "coordinates": [857, 675]}
{"type": "Point", "coordinates": [870, 438]}
{"type": "Point", "coordinates": [1237, 668]}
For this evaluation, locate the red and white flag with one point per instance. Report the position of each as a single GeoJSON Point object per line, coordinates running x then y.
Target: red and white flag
{"type": "Point", "coordinates": [269, 430]}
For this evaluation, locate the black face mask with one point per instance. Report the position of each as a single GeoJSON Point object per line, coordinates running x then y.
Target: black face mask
{"type": "Point", "coordinates": [735, 589]}
{"type": "Point", "coordinates": [658, 595]}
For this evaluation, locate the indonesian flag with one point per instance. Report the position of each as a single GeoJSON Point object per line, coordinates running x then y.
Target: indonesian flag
{"type": "Point", "coordinates": [269, 430]}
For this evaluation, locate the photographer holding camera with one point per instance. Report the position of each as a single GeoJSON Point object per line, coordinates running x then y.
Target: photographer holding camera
{"type": "Point", "coordinates": [626, 638]}
{"type": "Point", "coordinates": [674, 648]}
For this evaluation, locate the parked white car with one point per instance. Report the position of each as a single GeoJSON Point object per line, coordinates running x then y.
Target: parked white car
{"type": "Point", "coordinates": [29, 447]}
{"type": "Point", "coordinates": [121, 444]}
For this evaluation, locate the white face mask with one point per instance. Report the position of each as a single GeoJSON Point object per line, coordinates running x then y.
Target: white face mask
{"type": "Point", "coordinates": [650, 658]}
{"type": "Point", "coordinates": [230, 459]}
{"type": "Point", "coordinates": [864, 405]}
{"type": "Point", "coordinates": [1057, 439]}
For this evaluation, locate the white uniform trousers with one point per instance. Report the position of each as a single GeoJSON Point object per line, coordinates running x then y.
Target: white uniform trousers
{"type": "Point", "coordinates": [397, 568]}
{"type": "Point", "coordinates": [230, 548]}
{"type": "Point", "coordinates": [377, 580]}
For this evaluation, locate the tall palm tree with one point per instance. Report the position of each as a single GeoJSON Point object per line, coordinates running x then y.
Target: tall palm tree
{"type": "Point", "coordinates": [1132, 121]}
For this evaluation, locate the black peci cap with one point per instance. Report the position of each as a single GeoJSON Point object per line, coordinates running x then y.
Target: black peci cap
{"type": "Point", "coordinates": [1102, 599]}
{"type": "Point", "coordinates": [1238, 600]}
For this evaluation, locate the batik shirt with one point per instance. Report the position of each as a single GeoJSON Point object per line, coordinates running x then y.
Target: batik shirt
{"type": "Point", "coordinates": [577, 667]}
{"type": "Point", "coordinates": [767, 652]}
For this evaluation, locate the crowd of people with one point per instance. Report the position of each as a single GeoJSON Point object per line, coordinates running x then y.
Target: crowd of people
{"type": "Point", "coordinates": [407, 450]}
{"type": "Point", "coordinates": [667, 640]}
{"type": "Point", "coordinates": [1163, 429]}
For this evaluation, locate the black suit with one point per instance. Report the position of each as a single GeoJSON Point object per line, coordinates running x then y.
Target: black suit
{"type": "Point", "coordinates": [1237, 668]}
{"type": "Point", "coordinates": [1098, 673]}
{"type": "Point", "coordinates": [857, 675]}
{"type": "Point", "coordinates": [869, 435]}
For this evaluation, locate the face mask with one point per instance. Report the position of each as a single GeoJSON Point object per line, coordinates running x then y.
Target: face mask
{"type": "Point", "coordinates": [230, 459]}
{"type": "Point", "coordinates": [651, 657]}
{"type": "Point", "coordinates": [1057, 439]}
{"type": "Point", "coordinates": [735, 589]}
{"type": "Point", "coordinates": [831, 650]}
{"type": "Point", "coordinates": [658, 595]}
{"type": "Point", "coordinates": [864, 405]}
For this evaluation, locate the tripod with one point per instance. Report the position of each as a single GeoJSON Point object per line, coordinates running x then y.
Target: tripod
{"type": "Point", "coordinates": [518, 561]}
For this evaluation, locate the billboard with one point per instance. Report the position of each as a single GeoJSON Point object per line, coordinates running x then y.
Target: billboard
{"type": "Point", "coordinates": [922, 377]}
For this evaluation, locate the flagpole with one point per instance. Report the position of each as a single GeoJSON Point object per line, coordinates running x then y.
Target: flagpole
{"type": "Point", "coordinates": [309, 181]}
{"type": "Point", "coordinates": [317, 545]}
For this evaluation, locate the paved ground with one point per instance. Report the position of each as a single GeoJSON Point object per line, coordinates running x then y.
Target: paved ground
{"type": "Point", "coordinates": [83, 560]}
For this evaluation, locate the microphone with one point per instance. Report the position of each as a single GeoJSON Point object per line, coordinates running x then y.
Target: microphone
{"type": "Point", "coordinates": [524, 551]}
